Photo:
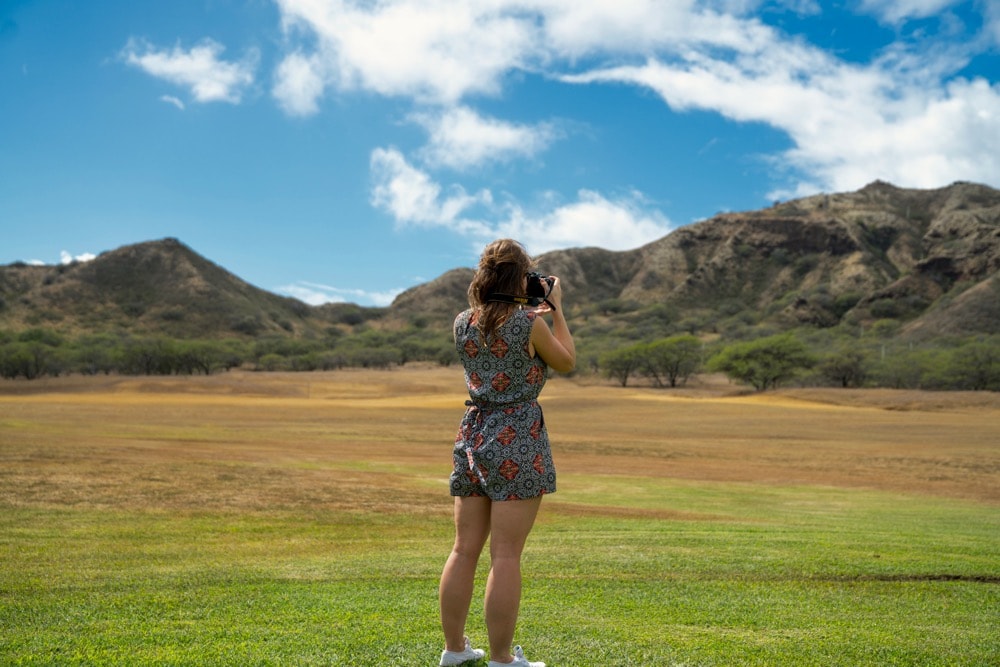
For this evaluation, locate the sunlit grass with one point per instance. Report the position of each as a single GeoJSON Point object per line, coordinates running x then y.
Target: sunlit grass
{"type": "Point", "coordinates": [855, 578]}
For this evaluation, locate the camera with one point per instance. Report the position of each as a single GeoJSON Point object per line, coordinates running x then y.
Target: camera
{"type": "Point", "coordinates": [539, 286]}
{"type": "Point", "coordinates": [538, 290]}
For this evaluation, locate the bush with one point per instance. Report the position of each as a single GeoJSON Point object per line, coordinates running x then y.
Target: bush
{"type": "Point", "coordinates": [672, 359]}
{"type": "Point", "coordinates": [621, 364]}
{"type": "Point", "coordinates": [976, 365]}
{"type": "Point", "coordinates": [846, 367]}
{"type": "Point", "coordinates": [763, 363]}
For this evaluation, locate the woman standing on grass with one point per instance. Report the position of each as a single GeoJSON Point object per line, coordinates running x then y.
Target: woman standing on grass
{"type": "Point", "coordinates": [503, 464]}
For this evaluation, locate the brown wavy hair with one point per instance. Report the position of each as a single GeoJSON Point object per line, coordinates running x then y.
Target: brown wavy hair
{"type": "Point", "coordinates": [502, 267]}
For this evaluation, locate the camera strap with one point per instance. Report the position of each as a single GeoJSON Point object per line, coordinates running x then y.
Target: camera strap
{"type": "Point", "coordinates": [533, 301]}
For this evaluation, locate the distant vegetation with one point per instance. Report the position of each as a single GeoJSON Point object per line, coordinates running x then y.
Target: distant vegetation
{"type": "Point", "coordinates": [806, 356]}
{"type": "Point", "coordinates": [43, 352]}
{"type": "Point", "coordinates": [813, 358]}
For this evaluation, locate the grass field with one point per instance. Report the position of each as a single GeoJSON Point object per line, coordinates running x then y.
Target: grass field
{"type": "Point", "coordinates": [303, 519]}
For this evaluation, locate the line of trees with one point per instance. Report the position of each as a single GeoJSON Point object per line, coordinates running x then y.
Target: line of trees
{"type": "Point", "coordinates": [42, 352]}
{"type": "Point", "coordinates": [773, 361]}
{"type": "Point", "coordinates": [762, 363]}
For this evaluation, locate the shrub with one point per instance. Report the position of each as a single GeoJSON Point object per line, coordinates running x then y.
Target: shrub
{"type": "Point", "coordinates": [672, 359]}
{"type": "Point", "coordinates": [976, 365]}
{"type": "Point", "coordinates": [763, 363]}
{"type": "Point", "coordinates": [621, 364]}
{"type": "Point", "coordinates": [846, 367]}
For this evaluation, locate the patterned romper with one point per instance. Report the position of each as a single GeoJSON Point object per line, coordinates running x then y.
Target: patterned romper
{"type": "Point", "coordinates": [502, 448]}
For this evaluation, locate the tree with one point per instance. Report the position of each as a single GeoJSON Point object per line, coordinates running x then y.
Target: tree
{"type": "Point", "coordinates": [622, 363]}
{"type": "Point", "coordinates": [154, 355]}
{"type": "Point", "coordinates": [901, 369]}
{"type": "Point", "coordinates": [16, 359]}
{"type": "Point", "coordinates": [36, 352]}
{"type": "Point", "coordinates": [97, 353]}
{"type": "Point", "coordinates": [201, 356]}
{"type": "Point", "coordinates": [976, 365]}
{"type": "Point", "coordinates": [765, 362]}
{"type": "Point", "coordinates": [675, 359]}
{"type": "Point", "coordinates": [846, 367]}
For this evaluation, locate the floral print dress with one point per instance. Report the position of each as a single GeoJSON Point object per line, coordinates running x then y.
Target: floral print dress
{"type": "Point", "coordinates": [502, 448]}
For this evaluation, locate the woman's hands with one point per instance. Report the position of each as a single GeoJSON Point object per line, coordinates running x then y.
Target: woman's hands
{"type": "Point", "coordinates": [555, 346]}
{"type": "Point", "coordinates": [553, 301]}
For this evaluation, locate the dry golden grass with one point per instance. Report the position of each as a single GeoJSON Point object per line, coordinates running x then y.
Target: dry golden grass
{"type": "Point", "coordinates": [381, 440]}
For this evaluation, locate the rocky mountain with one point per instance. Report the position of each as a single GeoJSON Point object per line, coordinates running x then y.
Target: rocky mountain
{"type": "Point", "coordinates": [928, 260]}
{"type": "Point", "coordinates": [157, 287]}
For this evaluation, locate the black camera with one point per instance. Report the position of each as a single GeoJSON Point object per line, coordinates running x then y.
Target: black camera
{"type": "Point", "coordinates": [539, 286]}
{"type": "Point", "coordinates": [538, 290]}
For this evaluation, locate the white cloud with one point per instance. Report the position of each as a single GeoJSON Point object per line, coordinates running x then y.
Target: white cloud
{"type": "Point", "coordinates": [316, 294]}
{"type": "Point", "coordinates": [299, 83]}
{"type": "Point", "coordinates": [412, 197]}
{"type": "Point", "coordinates": [897, 11]}
{"type": "Point", "coordinates": [850, 124]}
{"type": "Point", "coordinates": [440, 51]}
{"type": "Point", "coordinates": [199, 68]}
{"type": "Point", "coordinates": [576, 30]}
{"type": "Point", "coordinates": [433, 50]}
{"type": "Point", "coordinates": [170, 99]}
{"type": "Point", "coordinates": [66, 258]}
{"type": "Point", "coordinates": [622, 223]}
{"type": "Point", "coordinates": [461, 138]}
{"type": "Point", "coordinates": [991, 22]}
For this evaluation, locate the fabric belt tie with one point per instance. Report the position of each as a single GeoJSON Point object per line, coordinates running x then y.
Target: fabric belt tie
{"type": "Point", "coordinates": [493, 407]}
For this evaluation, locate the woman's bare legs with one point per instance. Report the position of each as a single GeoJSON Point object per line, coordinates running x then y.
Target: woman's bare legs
{"type": "Point", "coordinates": [472, 527]}
{"type": "Point", "coordinates": [510, 521]}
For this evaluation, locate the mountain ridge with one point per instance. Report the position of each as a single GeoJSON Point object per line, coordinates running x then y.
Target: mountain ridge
{"type": "Point", "coordinates": [926, 259]}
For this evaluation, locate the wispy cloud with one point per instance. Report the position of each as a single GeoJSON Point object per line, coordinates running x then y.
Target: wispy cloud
{"type": "Point", "coordinates": [991, 23]}
{"type": "Point", "coordinates": [621, 222]}
{"type": "Point", "coordinates": [849, 124]}
{"type": "Point", "coordinates": [200, 68]}
{"type": "Point", "coordinates": [170, 99]}
{"type": "Point", "coordinates": [317, 294]}
{"type": "Point", "coordinates": [896, 11]}
{"type": "Point", "coordinates": [412, 197]}
{"type": "Point", "coordinates": [67, 258]}
{"type": "Point", "coordinates": [299, 81]}
{"type": "Point", "coordinates": [461, 138]}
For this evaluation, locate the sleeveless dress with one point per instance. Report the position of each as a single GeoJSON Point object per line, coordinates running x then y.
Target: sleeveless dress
{"type": "Point", "coordinates": [502, 448]}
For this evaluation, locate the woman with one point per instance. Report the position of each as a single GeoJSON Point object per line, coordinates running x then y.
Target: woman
{"type": "Point", "coordinates": [503, 464]}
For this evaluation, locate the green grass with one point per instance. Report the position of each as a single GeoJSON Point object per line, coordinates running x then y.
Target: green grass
{"type": "Point", "coordinates": [774, 576]}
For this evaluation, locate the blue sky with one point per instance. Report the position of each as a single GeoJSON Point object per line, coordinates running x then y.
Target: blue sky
{"type": "Point", "coordinates": [349, 149]}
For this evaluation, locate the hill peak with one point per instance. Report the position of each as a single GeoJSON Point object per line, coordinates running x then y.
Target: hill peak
{"type": "Point", "coordinates": [882, 252]}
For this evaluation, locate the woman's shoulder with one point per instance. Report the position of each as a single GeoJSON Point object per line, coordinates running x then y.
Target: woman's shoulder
{"type": "Point", "coordinates": [520, 319]}
{"type": "Point", "coordinates": [464, 316]}
{"type": "Point", "coordinates": [521, 316]}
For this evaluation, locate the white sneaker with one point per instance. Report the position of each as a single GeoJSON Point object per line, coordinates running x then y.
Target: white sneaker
{"type": "Point", "coordinates": [519, 661]}
{"type": "Point", "coordinates": [449, 658]}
